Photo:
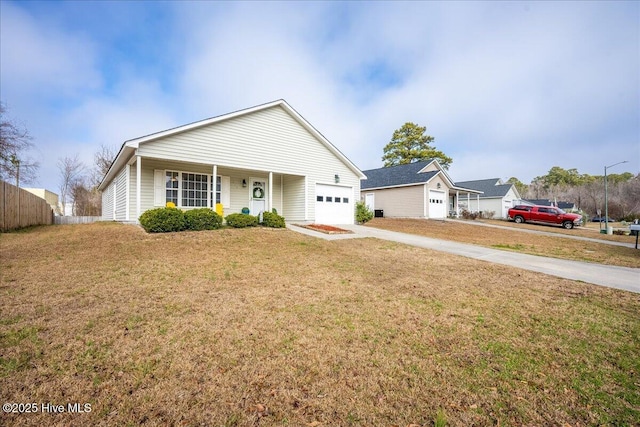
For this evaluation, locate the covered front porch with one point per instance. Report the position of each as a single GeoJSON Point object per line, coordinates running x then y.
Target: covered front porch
{"type": "Point", "coordinates": [463, 198]}
{"type": "Point", "coordinates": [151, 182]}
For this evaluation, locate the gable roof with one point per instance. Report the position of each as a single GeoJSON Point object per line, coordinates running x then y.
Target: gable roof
{"type": "Point", "coordinates": [394, 176]}
{"type": "Point", "coordinates": [129, 147]}
{"type": "Point", "coordinates": [492, 187]}
{"type": "Point", "coordinates": [408, 174]}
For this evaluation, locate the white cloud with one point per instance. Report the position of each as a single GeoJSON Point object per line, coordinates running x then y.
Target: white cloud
{"type": "Point", "coordinates": [505, 88]}
{"type": "Point", "coordinates": [38, 59]}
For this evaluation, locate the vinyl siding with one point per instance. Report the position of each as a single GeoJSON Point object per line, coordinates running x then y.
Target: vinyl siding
{"type": "Point", "coordinates": [107, 203]}
{"type": "Point", "coordinates": [244, 147]}
{"type": "Point", "coordinates": [121, 195]}
{"type": "Point", "coordinates": [264, 141]}
{"type": "Point", "coordinates": [293, 204]}
{"type": "Point", "coordinates": [400, 201]}
{"type": "Point", "coordinates": [268, 140]}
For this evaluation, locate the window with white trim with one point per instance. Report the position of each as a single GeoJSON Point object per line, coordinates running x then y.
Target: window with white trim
{"type": "Point", "coordinates": [172, 187]}
{"type": "Point", "coordinates": [194, 190]}
{"type": "Point", "coordinates": [186, 189]}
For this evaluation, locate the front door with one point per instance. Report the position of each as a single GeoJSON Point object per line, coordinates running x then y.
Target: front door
{"type": "Point", "coordinates": [369, 200]}
{"type": "Point", "coordinates": [258, 196]}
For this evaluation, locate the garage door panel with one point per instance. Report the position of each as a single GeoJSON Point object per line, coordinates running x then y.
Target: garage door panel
{"type": "Point", "coordinates": [334, 204]}
{"type": "Point", "coordinates": [437, 205]}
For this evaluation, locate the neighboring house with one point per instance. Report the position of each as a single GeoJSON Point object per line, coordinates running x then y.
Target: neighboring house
{"type": "Point", "coordinates": [496, 197]}
{"type": "Point", "coordinates": [565, 206]}
{"type": "Point", "coordinates": [260, 158]}
{"type": "Point", "coordinates": [49, 196]}
{"type": "Point", "coordinates": [415, 190]}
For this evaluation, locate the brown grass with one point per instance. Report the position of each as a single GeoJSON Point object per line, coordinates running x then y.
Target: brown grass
{"type": "Point", "coordinates": [529, 243]}
{"type": "Point", "coordinates": [260, 327]}
{"type": "Point", "coordinates": [590, 229]}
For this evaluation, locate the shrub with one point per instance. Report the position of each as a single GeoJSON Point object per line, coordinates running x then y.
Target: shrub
{"type": "Point", "coordinates": [468, 214]}
{"type": "Point", "coordinates": [363, 213]}
{"type": "Point", "coordinates": [273, 220]}
{"type": "Point", "coordinates": [163, 220]}
{"type": "Point", "coordinates": [238, 220]}
{"type": "Point", "coordinates": [202, 219]}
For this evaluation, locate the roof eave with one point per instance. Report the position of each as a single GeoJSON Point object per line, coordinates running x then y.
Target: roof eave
{"type": "Point", "coordinates": [134, 144]}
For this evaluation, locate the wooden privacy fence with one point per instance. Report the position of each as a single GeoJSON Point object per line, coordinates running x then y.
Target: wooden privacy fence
{"type": "Point", "coordinates": [19, 208]}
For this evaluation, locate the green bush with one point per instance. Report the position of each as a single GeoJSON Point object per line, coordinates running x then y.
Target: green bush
{"type": "Point", "coordinates": [273, 220]}
{"type": "Point", "coordinates": [238, 220]}
{"type": "Point", "coordinates": [202, 219]}
{"type": "Point", "coordinates": [363, 214]}
{"type": "Point", "coordinates": [163, 220]}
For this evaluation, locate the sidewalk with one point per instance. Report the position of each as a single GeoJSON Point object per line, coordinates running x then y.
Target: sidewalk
{"type": "Point", "coordinates": [598, 274]}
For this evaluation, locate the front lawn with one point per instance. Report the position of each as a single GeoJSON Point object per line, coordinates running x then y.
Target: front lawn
{"type": "Point", "coordinates": [269, 327]}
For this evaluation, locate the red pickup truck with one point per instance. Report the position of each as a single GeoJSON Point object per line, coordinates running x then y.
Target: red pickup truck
{"type": "Point", "coordinates": [544, 215]}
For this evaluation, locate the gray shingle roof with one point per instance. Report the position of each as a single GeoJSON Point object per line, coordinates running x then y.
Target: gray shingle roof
{"type": "Point", "coordinates": [488, 186]}
{"type": "Point", "coordinates": [397, 175]}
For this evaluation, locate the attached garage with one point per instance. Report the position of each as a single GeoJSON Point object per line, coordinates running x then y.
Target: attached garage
{"type": "Point", "coordinates": [437, 205]}
{"type": "Point", "coordinates": [334, 204]}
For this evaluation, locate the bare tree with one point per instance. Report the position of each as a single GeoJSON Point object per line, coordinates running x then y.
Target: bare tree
{"type": "Point", "coordinates": [102, 162]}
{"type": "Point", "coordinates": [86, 199]}
{"type": "Point", "coordinates": [15, 143]}
{"type": "Point", "coordinates": [71, 173]}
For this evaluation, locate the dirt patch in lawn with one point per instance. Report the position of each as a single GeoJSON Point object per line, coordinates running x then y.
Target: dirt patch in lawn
{"type": "Point", "coordinates": [327, 229]}
{"type": "Point", "coordinates": [529, 243]}
{"type": "Point", "coordinates": [249, 327]}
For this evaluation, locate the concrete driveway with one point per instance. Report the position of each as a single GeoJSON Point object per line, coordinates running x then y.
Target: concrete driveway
{"type": "Point", "coordinates": [598, 274]}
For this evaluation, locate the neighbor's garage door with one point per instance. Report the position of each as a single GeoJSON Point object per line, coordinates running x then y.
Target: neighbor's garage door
{"type": "Point", "coordinates": [334, 204]}
{"type": "Point", "coordinates": [437, 205]}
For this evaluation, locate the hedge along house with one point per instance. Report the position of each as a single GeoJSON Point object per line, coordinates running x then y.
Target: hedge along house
{"type": "Point", "coordinates": [415, 190]}
{"type": "Point", "coordinates": [260, 158]}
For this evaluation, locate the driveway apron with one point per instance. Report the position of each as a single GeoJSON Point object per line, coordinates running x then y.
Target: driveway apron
{"type": "Point", "coordinates": [598, 274]}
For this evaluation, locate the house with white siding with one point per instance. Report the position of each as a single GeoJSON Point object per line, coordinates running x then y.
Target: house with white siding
{"type": "Point", "coordinates": [496, 197]}
{"type": "Point", "coordinates": [261, 158]}
{"type": "Point", "coordinates": [421, 189]}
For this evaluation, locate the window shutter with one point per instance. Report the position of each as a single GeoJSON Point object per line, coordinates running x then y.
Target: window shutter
{"type": "Point", "coordinates": [225, 191]}
{"type": "Point", "coordinates": [159, 192]}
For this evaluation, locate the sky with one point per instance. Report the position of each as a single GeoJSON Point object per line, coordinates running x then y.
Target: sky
{"type": "Point", "coordinates": [505, 88]}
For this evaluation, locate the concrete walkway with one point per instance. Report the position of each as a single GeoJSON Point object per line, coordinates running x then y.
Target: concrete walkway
{"type": "Point", "coordinates": [598, 274]}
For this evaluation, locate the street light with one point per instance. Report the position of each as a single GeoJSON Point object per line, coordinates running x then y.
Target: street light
{"type": "Point", "coordinates": [606, 201]}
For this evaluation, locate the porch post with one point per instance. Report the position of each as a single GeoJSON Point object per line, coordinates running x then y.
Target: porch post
{"type": "Point", "coordinates": [127, 191]}
{"type": "Point", "coordinates": [212, 205]}
{"type": "Point", "coordinates": [270, 197]}
{"type": "Point", "coordinates": [469, 202]}
{"type": "Point", "coordinates": [478, 199]}
{"type": "Point", "coordinates": [457, 206]}
{"type": "Point", "coordinates": [138, 184]}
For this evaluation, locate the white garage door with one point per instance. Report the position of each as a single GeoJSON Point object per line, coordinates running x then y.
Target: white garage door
{"type": "Point", "coordinates": [334, 204]}
{"type": "Point", "coordinates": [437, 206]}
